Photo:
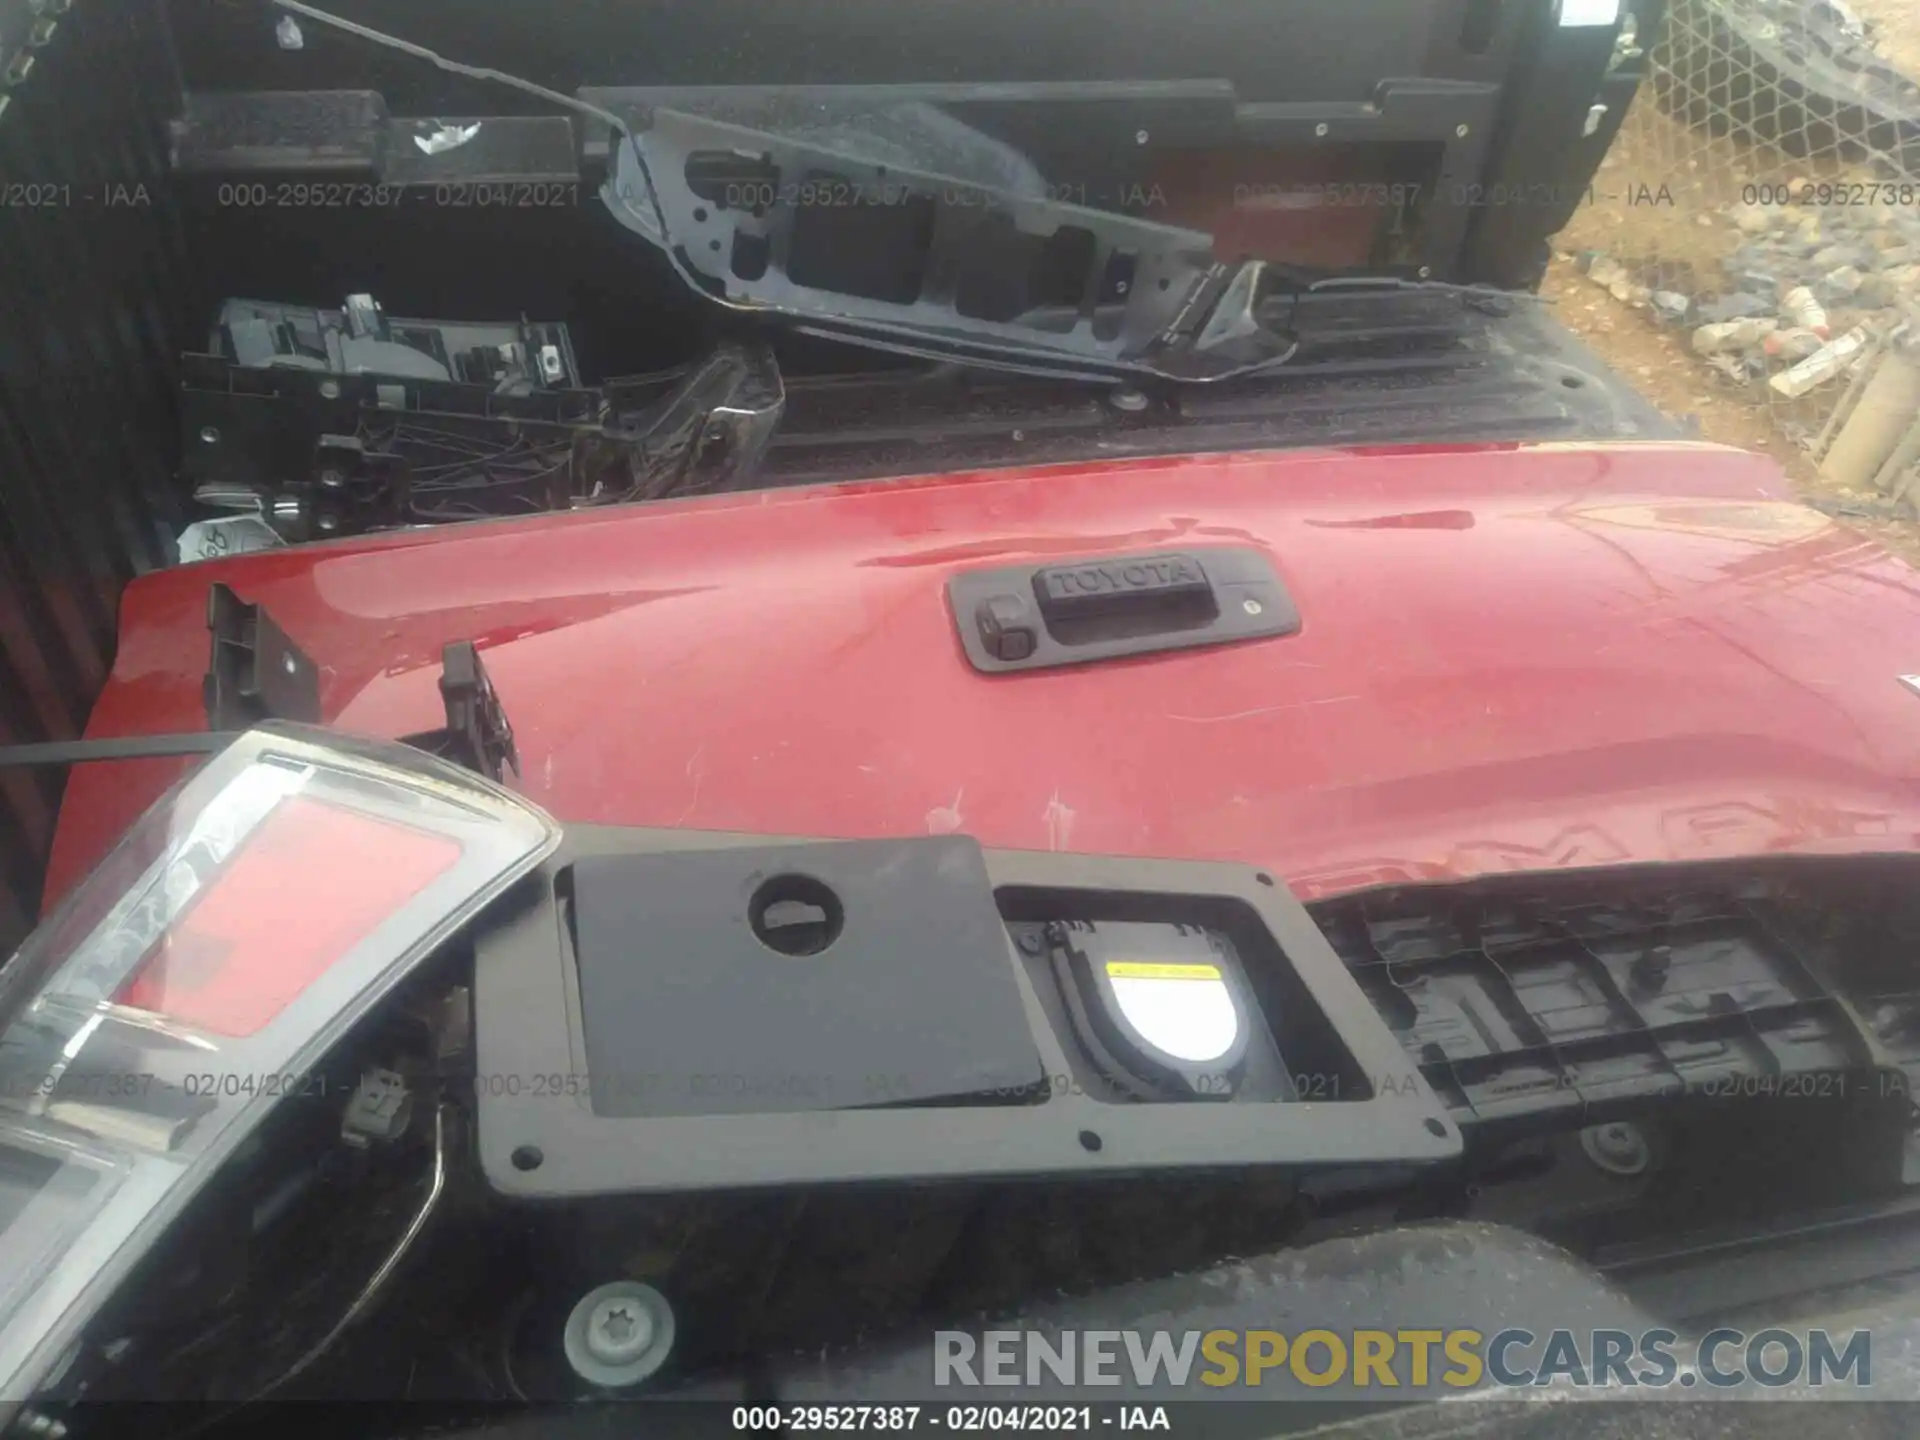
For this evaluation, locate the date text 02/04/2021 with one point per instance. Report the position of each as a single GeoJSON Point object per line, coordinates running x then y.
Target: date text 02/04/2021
{"type": "Point", "coordinates": [349, 195]}
{"type": "Point", "coordinates": [129, 1085]}
{"type": "Point", "coordinates": [952, 1419]}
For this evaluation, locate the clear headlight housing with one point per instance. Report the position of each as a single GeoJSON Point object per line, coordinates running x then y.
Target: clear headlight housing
{"type": "Point", "coordinates": [237, 932]}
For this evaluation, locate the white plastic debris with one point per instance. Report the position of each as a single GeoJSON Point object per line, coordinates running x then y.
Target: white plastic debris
{"type": "Point", "coordinates": [287, 32]}
{"type": "Point", "coordinates": [1733, 334]}
{"type": "Point", "coordinates": [1802, 308]}
{"type": "Point", "coordinates": [1821, 366]}
{"type": "Point", "coordinates": [229, 535]}
{"type": "Point", "coordinates": [443, 138]}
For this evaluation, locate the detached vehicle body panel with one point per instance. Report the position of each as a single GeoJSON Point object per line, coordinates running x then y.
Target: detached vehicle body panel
{"type": "Point", "coordinates": [1510, 658]}
{"type": "Point", "coordinates": [1351, 767]}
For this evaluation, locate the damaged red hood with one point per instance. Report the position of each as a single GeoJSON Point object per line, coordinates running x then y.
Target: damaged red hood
{"type": "Point", "coordinates": [1511, 658]}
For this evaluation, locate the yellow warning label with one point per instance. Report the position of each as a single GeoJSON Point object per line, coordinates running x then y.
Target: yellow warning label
{"type": "Point", "coordinates": [1145, 970]}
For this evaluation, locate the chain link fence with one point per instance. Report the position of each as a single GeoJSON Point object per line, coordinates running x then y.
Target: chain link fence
{"type": "Point", "coordinates": [1762, 202]}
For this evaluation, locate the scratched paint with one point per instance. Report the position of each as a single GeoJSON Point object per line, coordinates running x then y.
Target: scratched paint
{"type": "Point", "coordinates": [1058, 818]}
{"type": "Point", "coordinates": [945, 819]}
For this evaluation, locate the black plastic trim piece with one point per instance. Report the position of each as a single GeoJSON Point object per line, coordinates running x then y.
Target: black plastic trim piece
{"type": "Point", "coordinates": [477, 734]}
{"type": "Point", "coordinates": [119, 747]}
{"type": "Point", "coordinates": [255, 672]}
{"type": "Point", "coordinates": [528, 1008]}
{"type": "Point", "coordinates": [1183, 316]}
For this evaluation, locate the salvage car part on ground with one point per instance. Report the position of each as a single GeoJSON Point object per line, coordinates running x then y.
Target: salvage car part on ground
{"type": "Point", "coordinates": [1597, 1058]}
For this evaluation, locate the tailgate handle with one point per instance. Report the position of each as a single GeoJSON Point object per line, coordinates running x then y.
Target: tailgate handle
{"type": "Point", "coordinates": [1166, 592]}
{"type": "Point", "coordinates": [1106, 607]}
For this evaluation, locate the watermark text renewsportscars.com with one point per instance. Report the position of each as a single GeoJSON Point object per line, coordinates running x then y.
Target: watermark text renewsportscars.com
{"type": "Point", "coordinates": [1402, 1358]}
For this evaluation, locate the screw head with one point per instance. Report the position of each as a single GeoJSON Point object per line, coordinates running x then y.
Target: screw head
{"type": "Point", "coordinates": [209, 435]}
{"type": "Point", "coordinates": [1618, 1148]}
{"type": "Point", "coordinates": [1129, 399]}
{"type": "Point", "coordinates": [329, 389]}
{"type": "Point", "coordinates": [1139, 137]}
{"type": "Point", "coordinates": [1461, 131]}
{"type": "Point", "coordinates": [1425, 271]}
{"type": "Point", "coordinates": [1252, 607]}
{"type": "Point", "coordinates": [619, 1334]}
{"type": "Point", "coordinates": [289, 664]}
{"type": "Point", "coordinates": [619, 1331]}
{"type": "Point", "coordinates": [1321, 128]}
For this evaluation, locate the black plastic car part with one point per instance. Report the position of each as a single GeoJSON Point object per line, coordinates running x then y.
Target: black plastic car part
{"type": "Point", "coordinates": [477, 733]}
{"type": "Point", "coordinates": [901, 256]}
{"type": "Point", "coordinates": [1540, 1015]}
{"type": "Point", "coordinates": [1375, 366]}
{"type": "Point", "coordinates": [642, 1024]}
{"type": "Point", "coordinates": [255, 672]}
{"type": "Point", "coordinates": [1522, 1000]}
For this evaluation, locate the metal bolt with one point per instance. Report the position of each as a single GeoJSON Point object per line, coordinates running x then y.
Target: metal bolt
{"type": "Point", "coordinates": [1031, 942]}
{"type": "Point", "coordinates": [1129, 399]}
{"type": "Point", "coordinates": [1139, 137]}
{"type": "Point", "coordinates": [1460, 131]}
{"type": "Point", "coordinates": [332, 479]}
{"type": "Point", "coordinates": [1617, 1148]}
{"type": "Point", "coordinates": [290, 665]}
{"type": "Point", "coordinates": [619, 1332]}
{"type": "Point", "coordinates": [1321, 128]}
{"type": "Point", "coordinates": [1425, 271]}
{"type": "Point", "coordinates": [209, 435]}
{"type": "Point", "coordinates": [1252, 607]}
{"type": "Point", "coordinates": [329, 389]}
{"type": "Point", "coordinates": [328, 523]}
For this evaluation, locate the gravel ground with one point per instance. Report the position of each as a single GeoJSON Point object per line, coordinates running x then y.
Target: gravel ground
{"type": "Point", "coordinates": [1678, 242]}
{"type": "Point", "coordinates": [1896, 25]}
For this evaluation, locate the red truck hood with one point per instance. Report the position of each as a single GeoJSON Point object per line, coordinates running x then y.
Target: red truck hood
{"type": "Point", "coordinates": [1512, 657]}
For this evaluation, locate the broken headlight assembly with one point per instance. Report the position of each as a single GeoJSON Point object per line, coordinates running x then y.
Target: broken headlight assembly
{"type": "Point", "coordinates": [239, 930]}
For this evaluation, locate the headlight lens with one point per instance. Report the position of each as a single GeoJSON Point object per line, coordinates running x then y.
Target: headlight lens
{"type": "Point", "coordinates": [245, 923]}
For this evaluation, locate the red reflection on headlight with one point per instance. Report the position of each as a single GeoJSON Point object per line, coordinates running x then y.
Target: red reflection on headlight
{"type": "Point", "coordinates": [310, 882]}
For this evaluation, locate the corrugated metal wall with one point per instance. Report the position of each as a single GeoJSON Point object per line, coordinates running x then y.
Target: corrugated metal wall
{"type": "Point", "coordinates": [91, 262]}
